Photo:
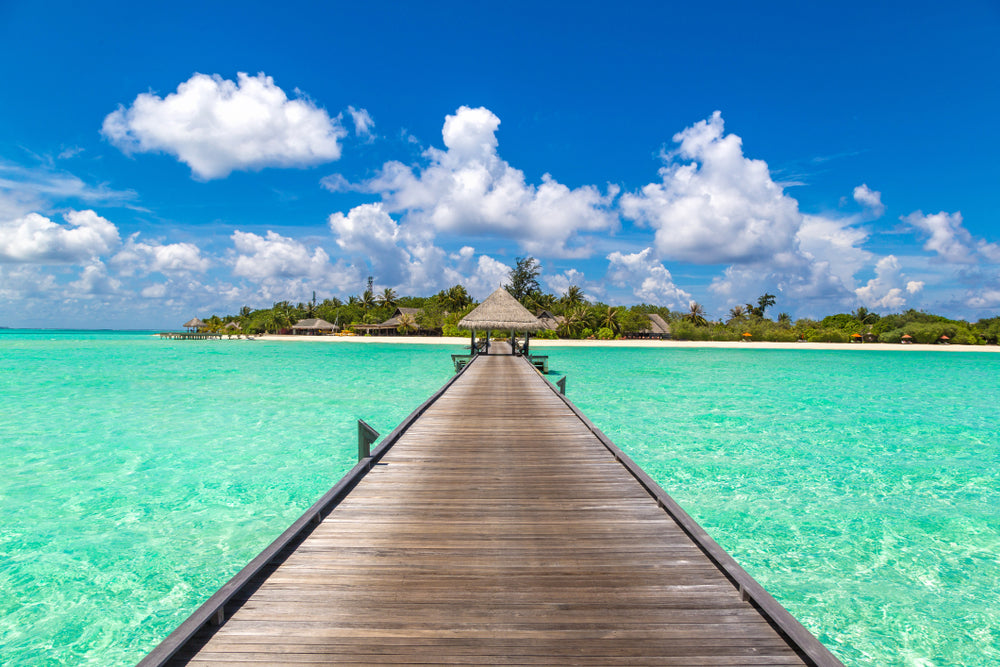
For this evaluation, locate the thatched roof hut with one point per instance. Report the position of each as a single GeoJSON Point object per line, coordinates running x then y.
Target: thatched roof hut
{"type": "Point", "coordinates": [501, 311]}
{"type": "Point", "coordinates": [658, 325]}
{"type": "Point", "coordinates": [313, 326]}
{"type": "Point", "coordinates": [194, 323]}
{"type": "Point", "coordinates": [550, 320]}
{"type": "Point", "coordinates": [233, 325]}
{"type": "Point", "coordinates": [391, 325]}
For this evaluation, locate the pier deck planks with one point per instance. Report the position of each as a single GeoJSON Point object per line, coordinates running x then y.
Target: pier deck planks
{"type": "Point", "coordinates": [497, 530]}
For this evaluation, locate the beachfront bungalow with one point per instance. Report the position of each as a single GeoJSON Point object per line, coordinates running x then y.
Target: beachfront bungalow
{"type": "Point", "coordinates": [550, 320]}
{"type": "Point", "coordinates": [659, 328]}
{"type": "Point", "coordinates": [312, 327]}
{"type": "Point", "coordinates": [391, 326]}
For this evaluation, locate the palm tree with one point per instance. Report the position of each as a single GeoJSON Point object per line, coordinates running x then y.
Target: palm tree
{"type": "Point", "coordinates": [367, 300]}
{"type": "Point", "coordinates": [785, 319]}
{"type": "Point", "coordinates": [609, 319]}
{"type": "Point", "coordinates": [696, 315]}
{"type": "Point", "coordinates": [538, 301]}
{"type": "Point", "coordinates": [406, 324]}
{"type": "Point", "coordinates": [573, 323]}
{"type": "Point", "coordinates": [573, 297]}
{"type": "Point", "coordinates": [387, 298]}
{"type": "Point", "coordinates": [736, 314]}
{"type": "Point", "coordinates": [455, 298]}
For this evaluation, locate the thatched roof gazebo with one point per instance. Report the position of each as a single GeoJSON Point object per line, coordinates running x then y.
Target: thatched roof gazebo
{"type": "Point", "coordinates": [313, 327]}
{"type": "Point", "coordinates": [500, 311]}
{"type": "Point", "coordinates": [194, 324]}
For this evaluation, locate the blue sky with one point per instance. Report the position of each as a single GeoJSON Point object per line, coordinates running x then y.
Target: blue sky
{"type": "Point", "coordinates": [158, 163]}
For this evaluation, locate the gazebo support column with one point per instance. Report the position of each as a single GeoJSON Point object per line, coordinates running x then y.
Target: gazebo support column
{"type": "Point", "coordinates": [527, 337]}
{"type": "Point", "coordinates": [472, 346]}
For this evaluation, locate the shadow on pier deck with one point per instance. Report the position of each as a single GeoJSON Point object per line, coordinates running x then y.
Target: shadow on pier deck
{"type": "Point", "coordinates": [496, 525]}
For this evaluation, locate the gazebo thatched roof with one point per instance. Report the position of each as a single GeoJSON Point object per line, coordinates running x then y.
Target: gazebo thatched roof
{"type": "Point", "coordinates": [314, 324]}
{"type": "Point", "coordinates": [501, 311]}
{"type": "Point", "coordinates": [194, 323]}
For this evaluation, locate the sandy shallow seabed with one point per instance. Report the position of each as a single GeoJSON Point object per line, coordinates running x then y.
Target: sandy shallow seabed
{"type": "Point", "coordinates": [665, 344]}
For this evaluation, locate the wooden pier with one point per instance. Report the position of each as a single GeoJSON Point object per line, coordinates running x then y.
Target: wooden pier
{"type": "Point", "coordinates": [495, 525]}
{"type": "Point", "coordinates": [190, 335]}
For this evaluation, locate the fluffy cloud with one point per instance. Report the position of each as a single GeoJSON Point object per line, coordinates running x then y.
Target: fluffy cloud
{"type": "Point", "coordinates": [142, 258]}
{"type": "Point", "coordinates": [870, 199]}
{"type": "Point", "coordinates": [285, 268]}
{"type": "Point", "coordinates": [276, 256]}
{"type": "Point", "coordinates": [94, 281]}
{"type": "Point", "coordinates": [560, 284]}
{"type": "Point", "coordinates": [468, 189]}
{"type": "Point", "coordinates": [952, 242]}
{"type": "Point", "coordinates": [215, 126]}
{"type": "Point", "coordinates": [888, 289]}
{"type": "Point", "coordinates": [25, 281]}
{"type": "Point", "coordinates": [37, 239]}
{"type": "Point", "coordinates": [368, 232]}
{"type": "Point", "coordinates": [485, 276]}
{"type": "Point", "coordinates": [719, 206]}
{"type": "Point", "coordinates": [648, 278]}
{"type": "Point", "coordinates": [830, 246]}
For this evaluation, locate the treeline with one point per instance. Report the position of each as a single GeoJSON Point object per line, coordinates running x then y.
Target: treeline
{"type": "Point", "coordinates": [577, 317]}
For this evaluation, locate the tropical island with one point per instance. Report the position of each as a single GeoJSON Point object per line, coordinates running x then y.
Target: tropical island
{"type": "Point", "coordinates": [573, 316]}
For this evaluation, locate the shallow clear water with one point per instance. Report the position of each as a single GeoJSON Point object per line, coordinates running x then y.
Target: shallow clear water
{"type": "Point", "coordinates": [140, 474]}
{"type": "Point", "coordinates": [862, 489]}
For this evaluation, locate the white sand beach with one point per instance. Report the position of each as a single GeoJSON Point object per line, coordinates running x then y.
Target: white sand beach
{"type": "Point", "coordinates": [664, 344]}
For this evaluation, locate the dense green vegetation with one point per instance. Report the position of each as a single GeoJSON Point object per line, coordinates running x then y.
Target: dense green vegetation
{"type": "Point", "coordinates": [580, 318]}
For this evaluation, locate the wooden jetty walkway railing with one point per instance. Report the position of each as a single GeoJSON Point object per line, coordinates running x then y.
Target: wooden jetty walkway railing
{"type": "Point", "coordinates": [496, 524]}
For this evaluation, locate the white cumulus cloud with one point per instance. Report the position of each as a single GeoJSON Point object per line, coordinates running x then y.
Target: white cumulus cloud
{"type": "Point", "coordinates": [37, 239]}
{"type": "Point", "coordinates": [713, 204]}
{"type": "Point", "coordinates": [216, 126]}
{"type": "Point", "coordinates": [888, 289]}
{"type": "Point", "coordinates": [468, 189]}
{"type": "Point", "coordinates": [285, 268]}
{"type": "Point", "coordinates": [648, 279]}
{"type": "Point", "coordinates": [94, 281]}
{"type": "Point", "coordinates": [137, 257]}
{"type": "Point", "coordinates": [952, 242]}
{"type": "Point", "coordinates": [870, 199]}
{"type": "Point", "coordinates": [368, 232]}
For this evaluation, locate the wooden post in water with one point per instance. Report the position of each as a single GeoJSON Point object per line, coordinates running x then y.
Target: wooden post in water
{"type": "Point", "coordinates": [562, 385]}
{"type": "Point", "coordinates": [366, 436]}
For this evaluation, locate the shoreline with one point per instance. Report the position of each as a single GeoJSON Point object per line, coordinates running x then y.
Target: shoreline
{"type": "Point", "coordinates": [646, 344]}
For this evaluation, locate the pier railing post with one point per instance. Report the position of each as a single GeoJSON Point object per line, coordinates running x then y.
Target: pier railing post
{"type": "Point", "coordinates": [562, 385]}
{"type": "Point", "coordinates": [366, 436]}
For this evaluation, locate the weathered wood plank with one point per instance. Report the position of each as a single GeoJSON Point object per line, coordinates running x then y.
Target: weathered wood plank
{"type": "Point", "coordinates": [497, 529]}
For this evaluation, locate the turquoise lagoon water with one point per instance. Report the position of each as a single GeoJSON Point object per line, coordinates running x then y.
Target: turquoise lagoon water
{"type": "Point", "coordinates": [862, 489]}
